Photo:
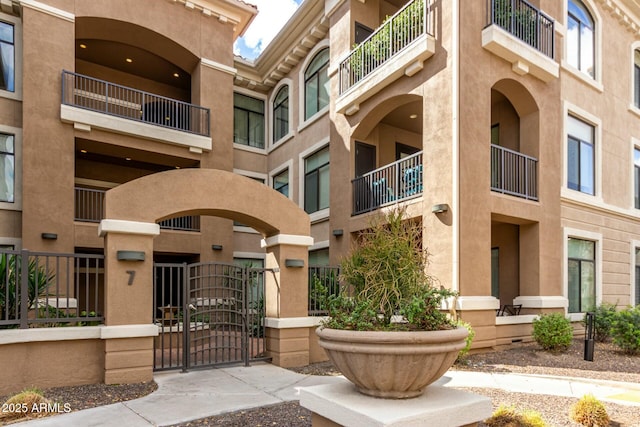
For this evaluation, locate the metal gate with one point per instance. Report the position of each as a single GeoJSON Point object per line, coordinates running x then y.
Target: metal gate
{"type": "Point", "coordinates": [208, 314]}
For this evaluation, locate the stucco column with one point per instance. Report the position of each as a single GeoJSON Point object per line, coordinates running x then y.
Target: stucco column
{"type": "Point", "coordinates": [286, 299]}
{"type": "Point", "coordinates": [128, 247]}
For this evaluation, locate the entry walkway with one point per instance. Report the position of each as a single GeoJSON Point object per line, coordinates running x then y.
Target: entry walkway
{"type": "Point", "coordinates": [182, 397]}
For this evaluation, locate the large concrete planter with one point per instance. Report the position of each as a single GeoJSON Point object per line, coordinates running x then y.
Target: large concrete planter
{"type": "Point", "coordinates": [393, 365]}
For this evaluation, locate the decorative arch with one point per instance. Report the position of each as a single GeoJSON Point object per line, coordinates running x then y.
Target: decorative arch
{"type": "Point", "coordinates": [518, 95]}
{"type": "Point", "coordinates": [371, 120]}
{"type": "Point", "coordinates": [206, 192]}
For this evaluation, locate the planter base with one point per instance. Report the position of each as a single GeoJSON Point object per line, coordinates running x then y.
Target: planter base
{"type": "Point", "coordinates": [341, 404]}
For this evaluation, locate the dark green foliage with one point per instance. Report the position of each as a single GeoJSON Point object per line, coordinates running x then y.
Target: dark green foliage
{"type": "Point", "coordinates": [605, 313]}
{"type": "Point", "coordinates": [625, 330]}
{"type": "Point", "coordinates": [553, 332]}
{"type": "Point", "coordinates": [386, 284]}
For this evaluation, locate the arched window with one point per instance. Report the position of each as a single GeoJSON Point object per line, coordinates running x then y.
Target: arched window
{"type": "Point", "coordinates": [281, 113]}
{"type": "Point", "coordinates": [636, 78]}
{"type": "Point", "coordinates": [316, 84]}
{"type": "Point", "coordinates": [580, 38]}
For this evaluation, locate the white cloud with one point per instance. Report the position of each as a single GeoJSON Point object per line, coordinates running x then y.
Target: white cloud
{"type": "Point", "coordinates": [272, 15]}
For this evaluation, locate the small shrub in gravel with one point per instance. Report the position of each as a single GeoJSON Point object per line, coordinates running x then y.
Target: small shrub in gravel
{"type": "Point", "coordinates": [589, 412]}
{"type": "Point", "coordinates": [22, 404]}
{"type": "Point", "coordinates": [553, 332]}
{"type": "Point", "coordinates": [508, 416]}
{"type": "Point", "coordinates": [605, 314]}
{"type": "Point", "coordinates": [625, 330]}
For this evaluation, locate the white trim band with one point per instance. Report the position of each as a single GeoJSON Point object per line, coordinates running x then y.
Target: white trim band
{"type": "Point", "coordinates": [521, 319]}
{"type": "Point", "coordinates": [19, 336]}
{"type": "Point", "coordinates": [127, 227]}
{"type": "Point", "coordinates": [292, 322]}
{"type": "Point", "coordinates": [287, 239]}
{"type": "Point", "coordinates": [218, 66]}
{"type": "Point", "coordinates": [540, 301]}
{"type": "Point", "coordinates": [471, 303]}
{"type": "Point", "coordinates": [49, 10]}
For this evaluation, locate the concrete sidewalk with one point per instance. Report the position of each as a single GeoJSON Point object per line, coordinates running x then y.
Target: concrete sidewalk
{"type": "Point", "coordinates": [182, 397]}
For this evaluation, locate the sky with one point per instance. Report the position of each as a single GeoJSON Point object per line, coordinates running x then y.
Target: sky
{"type": "Point", "coordinates": [272, 15]}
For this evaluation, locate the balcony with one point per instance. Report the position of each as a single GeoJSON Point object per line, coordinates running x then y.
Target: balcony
{"type": "Point", "coordinates": [514, 173]}
{"type": "Point", "coordinates": [398, 47]}
{"type": "Point", "coordinates": [395, 182]}
{"type": "Point", "coordinates": [90, 207]}
{"type": "Point", "coordinates": [88, 102]}
{"type": "Point", "coordinates": [522, 35]}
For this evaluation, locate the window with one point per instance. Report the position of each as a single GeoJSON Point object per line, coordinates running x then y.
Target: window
{"type": "Point", "coordinates": [281, 114]}
{"type": "Point", "coordinates": [7, 168]}
{"type": "Point", "coordinates": [581, 275]}
{"type": "Point", "coordinates": [316, 84]}
{"type": "Point", "coordinates": [316, 181]}
{"type": "Point", "coordinates": [281, 182]}
{"type": "Point", "coordinates": [248, 121]}
{"type": "Point", "coordinates": [636, 177]}
{"type": "Point", "coordinates": [636, 78]}
{"type": "Point", "coordinates": [319, 257]}
{"type": "Point", "coordinates": [7, 54]}
{"type": "Point", "coordinates": [580, 38]}
{"type": "Point", "coordinates": [580, 156]}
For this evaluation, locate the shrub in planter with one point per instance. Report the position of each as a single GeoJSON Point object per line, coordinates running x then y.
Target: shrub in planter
{"type": "Point", "coordinates": [508, 416]}
{"type": "Point", "coordinates": [553, 332]}
{"type": "Point", "coordinates": [589, 412]}
{"type": "Point", "coordinates": [625, 330]}
{"type": "Point", "coordinates": [605, 313]}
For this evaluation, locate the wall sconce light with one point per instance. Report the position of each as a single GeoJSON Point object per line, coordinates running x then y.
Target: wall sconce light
{"type": "Point", "coordinates": [216, 247]}
{"type": "Point", "coordinates": [130, 256]}
{"type": "Point", "coordinates": [436, 209]}
{"type": "Point", "coordinates": [49, 236]}
{"type": "Point", "coordinates": [294, 263]}
{"type": "Point", "coordinates": [338, 232]}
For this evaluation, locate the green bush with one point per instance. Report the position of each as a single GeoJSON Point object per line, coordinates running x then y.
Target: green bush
{"type": "Point", "coordinates": [605, 313]}
{"type": "Point", "coordinates": [553, 332]}
{"type": "Point", "coordinates": [508, 416]}
{"type": "Point", "coordinates": [462, 355]}
{"type": "Point", "coordinates": [589, 412]}
{"type": "Point", "coordinates": [625, 330]}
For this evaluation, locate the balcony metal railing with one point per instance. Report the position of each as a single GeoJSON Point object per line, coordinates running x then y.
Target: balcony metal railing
{"type": "Point", "coordinates": [121, 101]}
{"type": "Point", "coordinates": [324, 276]}
{"type": "Point", "coordinates": [90, 207]}
{"type": "Point", "coordinates": [524, 21]}
{"type": "Point", "coordinates": [395, 34]}
{"type": "Point", "coordinates": [400, 180]}
{"type": "Point", "coordinates": [39, 289]}
{"type": "Point", "coordinates": [514, 173]}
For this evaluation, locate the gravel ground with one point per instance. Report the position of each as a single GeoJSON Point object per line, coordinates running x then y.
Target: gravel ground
{"type": "Point", "coordinates": [526, 358]}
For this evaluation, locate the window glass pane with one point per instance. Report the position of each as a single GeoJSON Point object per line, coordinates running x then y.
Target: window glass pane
{"type": "Point", "coordinates": [573, 45]}
{"type": "Point", "coordinates": [579, 129]}
{"type": "Point", "coordinates": [587, 286]}
{"type": "Point", "coordinates": [636, 84]}
{"type": "Point", "coordinates": [7, 176]}
{"type": "Point", "coordinates": [6, 143]}
{"type": "Point", "coordinates": [281, 113]}
{"type": "Point", "coordinates": [319, 257]}
{"type": "Point", "coordinates": [586, 51]}
{"type": "Point", "coordinates": [248, 103]}
{"type": "Point", "coordinates": [323, 92]}
{"type": "Point", "coordinates": [323, 196]}
{"type": "Point", "coordinates": [256, 130]}
{"type": "Point", "coordinates": [586, 169]}
{"type": "Point", "coordinates": [7, 61]}
{"type": "Point", "coordinates": [311, 192]}
{"type": "Point", "coordinates": [311, 98]}
{"type": "Point", "coordinates": [281, 182]}
{"type": "Point", "coordinates": [574, 286]}
{"type": "Point", "coordinates": [636, 180]}
{"type": "Point", "coordinates": [240, 127]}
{"type": "Point", "coordinates": [573, 165]}
{"type": "Point", "coordinates": [582, 249]}
{"type": "Point", "coordinates": [317, 159]}
{"type": "Point", "coordinates": [580, 12]}
{"type": "Point", "coordinates": [6, 32]}
{"type": "Point", "coordinates": [321, 59]}
{"type": "Point", "coordinates": [316, 84]}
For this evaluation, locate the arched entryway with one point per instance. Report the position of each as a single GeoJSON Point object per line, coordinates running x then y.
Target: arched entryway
{"type": "Point", "coordinates": [132, 211]}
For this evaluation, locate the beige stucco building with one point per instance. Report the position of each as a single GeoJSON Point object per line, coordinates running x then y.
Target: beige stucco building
{"type": "Point", "coordinates": [511, 129]}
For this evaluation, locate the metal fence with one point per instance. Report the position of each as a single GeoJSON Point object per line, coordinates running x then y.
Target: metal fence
{"type": "Point", "coordinates": [397, 181]}
{"type": "Point", "coordinates": [514, 173]}
{"type": "Point", "coordinates": [395, 34]}
{"type": "Point", "coordinates": [39, 289]}
{"type": "Point", "coordinates": [89, 207]}
{"type": "Point", "coordinates": [524, 21]}
{"type": "Point", "coordinates": [327, 277]}
{"type": "Point", "coordinates": [125, 102]}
